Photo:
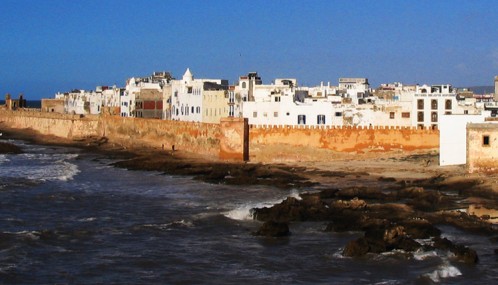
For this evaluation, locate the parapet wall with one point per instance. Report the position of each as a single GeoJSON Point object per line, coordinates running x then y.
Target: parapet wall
{"type": "Point", "coordinates": [346, 139]}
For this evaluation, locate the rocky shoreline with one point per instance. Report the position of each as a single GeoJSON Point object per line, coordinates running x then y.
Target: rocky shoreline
{"type": "Point", "coordinates": [397, 200]}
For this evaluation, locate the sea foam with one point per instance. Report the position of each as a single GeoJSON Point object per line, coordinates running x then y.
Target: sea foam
{"type": "Point", "coordinates": [245, 211]}
{"type": "Point", "coordinates": [444, 271]}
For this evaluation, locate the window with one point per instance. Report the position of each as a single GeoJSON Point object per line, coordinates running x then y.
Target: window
{"type": "Point", "coordinates": [254, 114]}
{"type": "Point", "coordinates": [434, 104]}
{"type": "Point", "coordinates": [420, 116]}
{"type": "Point", "coordinates": [287, 113]}
{"type": "Point", "coordinates": [405, 115]}
{"type": "Point", "coordinates": [434, 117]}
{"type": "Point", "coordinates": [447, 113]}
{"type": "Point", "coordinates": [275, 114]}
{"type": "Point", "coordinates": [338, 114]}
{"type": "Point", "coordinates": [277, 98]}
{"type": "Point", "coordinates": [265, 114]}
{"type": "Point", "coordinates": [485, 140]}
{"type": "Point", "coordinates": [391, 115]}
{"type": "Point", "coordinates": [320, 119]}
{"type": "Point", "coordinates": [447, 104]}
{"type": "Point", "coordinates": [243, 85]}
{"type": "Point", "coordinates": [192, 111]}
{"type": "Point", "coordinates": [189, 90]}
{"type": "Point", "coordinates": [198, 110]}
{"type": "Point", "coordinates": [420, 104]}
{"type": "Point", "coordinates": [176, 93]}
{"type": "Point", "coordinates": [301, 119]}
{"type": "Point", "coordinates": [466, 112]}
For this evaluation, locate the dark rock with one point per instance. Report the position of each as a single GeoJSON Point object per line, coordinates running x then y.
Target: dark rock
{"type": "Point", "coordinates": [273, 229]}
{"type": "Point", "coordinates": [420, 229]}
{"type": "Point", "coordinates": [387, 179]}
{"type": "Point", "coordinates": [358, 247]}
{"type": "Point", "coordinates": [462, 253]}
{"type": "Point", "coordinates": [309, 208]}
{"type": "Point", "coordinates": [408, 244]}
{"type": "Point", "coordinates": [9, 148]}
{"type": "Point", "coordinates": [328, 193]}
{"type": "Point", "coordinates": [360, 193]}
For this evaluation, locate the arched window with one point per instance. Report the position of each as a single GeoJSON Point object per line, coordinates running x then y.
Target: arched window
{"type": "Point", "coordinates": [447, 104]}
{"type": "Point", "coordinates": [434, 117]}
{"type": "Point", "coordinates": [420, 104]}
{"type": "Point", "coordinates": [434, 104]}
{"type": "Point", "coordinates": [243, 85]}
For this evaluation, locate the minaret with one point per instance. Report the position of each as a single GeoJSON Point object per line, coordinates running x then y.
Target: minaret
{"type": "Point", "coordinates": [188, 77]}
{"type": "Point", "coordinates": [496, 88]}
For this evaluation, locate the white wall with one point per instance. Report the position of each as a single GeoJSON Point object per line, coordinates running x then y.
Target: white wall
{"type": "Point", "coordinates": [453, 137]}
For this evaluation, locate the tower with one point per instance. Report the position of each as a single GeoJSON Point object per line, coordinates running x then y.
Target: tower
{"type": "Point", "coordinates": [496, 88]}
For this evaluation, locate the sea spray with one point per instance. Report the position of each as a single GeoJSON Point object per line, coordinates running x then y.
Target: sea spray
{"type": "Point", "coordinates": [246, 212]}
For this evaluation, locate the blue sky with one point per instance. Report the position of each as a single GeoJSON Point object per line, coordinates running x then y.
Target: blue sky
{"type": "Point", "coordinates": [58, 45]}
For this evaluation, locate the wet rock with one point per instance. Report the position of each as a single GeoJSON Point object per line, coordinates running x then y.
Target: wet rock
{"type": "Point", "coordinates": [420, 229]}
{"type": "Point", "coordinates": [309, 208]}
{"type": "Point", "coordinates": [273, 229]}
{"type": "Point", "coordinates": [381, 239]}
{"type": "Point", "coordinates": [462, 253]}
{"type": "Point", "coordinates": [9, 148]}
{"type": "Point", "coordinates": [360, 193]}
{"type": "Point", "coordinates": [355, 248]}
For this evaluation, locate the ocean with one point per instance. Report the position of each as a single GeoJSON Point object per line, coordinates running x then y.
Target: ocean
{"type": "Point", "coordinates": [68, 217]}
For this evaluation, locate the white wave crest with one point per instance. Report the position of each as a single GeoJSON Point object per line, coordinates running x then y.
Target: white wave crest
{"type": "Point", "coordinates": [44, 167]}
{"type": "Point", "coordinates": [422, 255]}
{"type": "Point", "coordinates": [444, 271]}
{"type": "Point", "coordinates": [3, 159]}
{"type": "Point", "coordinates": [245, 212]}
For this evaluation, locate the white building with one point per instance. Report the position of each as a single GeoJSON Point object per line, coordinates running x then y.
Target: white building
{"type": "Point", "coordinates": [156, 83]}
{"type": "Point", "coordinates": [355, 88]}
{"type": "Point", "coordinates": [187, 96]}
{"type": "Point", "coordinates": [453, 137]}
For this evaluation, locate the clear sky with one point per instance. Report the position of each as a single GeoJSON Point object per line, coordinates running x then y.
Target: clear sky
{"type": "Point", "coordinates": [58, 45]}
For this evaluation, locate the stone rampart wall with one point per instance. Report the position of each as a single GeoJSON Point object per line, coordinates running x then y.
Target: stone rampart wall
{"type": "Point", "coordinates": [197, 138]}
{"type": "Point", "coordinates": [346, 139]}
{"type": "Point", "coordinates": [60, 125]}
{"type": "Point", "coordinates": [220, 140]}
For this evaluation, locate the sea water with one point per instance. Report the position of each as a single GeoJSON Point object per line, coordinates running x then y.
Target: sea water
{"type": "Point", "coordinates": [68, 217]}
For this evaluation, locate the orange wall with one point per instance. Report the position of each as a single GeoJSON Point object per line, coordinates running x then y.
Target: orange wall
{"type": "Point", "coordinates": [347, 139]}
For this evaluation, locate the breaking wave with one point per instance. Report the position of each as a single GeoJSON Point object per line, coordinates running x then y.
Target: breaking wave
{"type": "Point", "coordinates": [444, 271]}
{"type": "Point", "coordinates": [245, 211]}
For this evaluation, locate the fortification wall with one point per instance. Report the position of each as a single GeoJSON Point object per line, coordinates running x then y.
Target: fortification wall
{"type": "Point", "coordinates": [193, 137]}
{"type": "Point", "coordinates": [227, 140]}
{"type": "Point", "coordinates": [346, 139]}
{"type": "Point", "coordinates": [60, 125]}
{"type": "Point", "coordinates": [198, 138]}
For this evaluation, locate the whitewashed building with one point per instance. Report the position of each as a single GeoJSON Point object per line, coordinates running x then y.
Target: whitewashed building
{"type": "Point", "coordinates": [453, 137]}
{"type": "Point", "coordinates": [188, 95]}
{"type": "Point", "coordinates": [357, 89]}
{"type": "Point", "coordinates": [131, 102]}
